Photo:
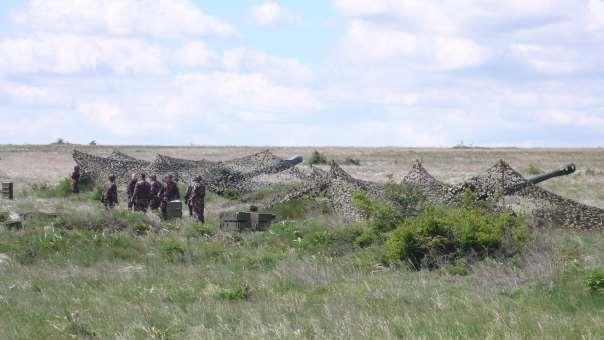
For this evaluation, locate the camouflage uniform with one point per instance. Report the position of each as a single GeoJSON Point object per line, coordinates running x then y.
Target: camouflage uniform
{"type": "Point", "coordinates": [75, 180]}
{"type": "Point", "coordinates": [156, 189]}
{"type": "Point", "coordinates": [187, 195]}
{"type": "Point", "coordinates": [130, 192]}
{"type": "Point", "coordinates": [141, 195]}
{"type": "Point", "coordinates": [169, 193]}
{"type": "Point", "coordinates": [197, 193]}
{"type": "Point", "coordinates": [109, 196]}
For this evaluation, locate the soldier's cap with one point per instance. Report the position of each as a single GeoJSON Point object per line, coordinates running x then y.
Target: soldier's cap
{"type": "Point", "coordinates": [112, 178]}
{"type": "Point", "coordinates": [152, 176]}
{"type": "Point", "coordinates": [197, 179]}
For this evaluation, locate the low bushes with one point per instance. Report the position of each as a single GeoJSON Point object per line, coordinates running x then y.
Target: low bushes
{"type": "Point", "coordinates": [595, 281]}
{"type": "Point", "coordinates": [317, 158]}
{"type": "Point", "coordinates": [63, 188]}
{"type": "Point", "coordinates": [444, 234]}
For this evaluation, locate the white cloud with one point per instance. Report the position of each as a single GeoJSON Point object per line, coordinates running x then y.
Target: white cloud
{"type": "Point", "coordinates": [156, 18]}
{"type": "Point", "coordinates": [284, 69]}
{"type": "Point", "coordinates": [219, 96]}
{"type": "Point", "coordinates": [195, 54]}
{"type": "Point", "coordinates": [29, 94]}
{"type": "Point", "coordinates": [71, 54]}
{"type": "Point", "coordinates": [270, 13]}
{"type": "Point", "coordinates": [374, 43]}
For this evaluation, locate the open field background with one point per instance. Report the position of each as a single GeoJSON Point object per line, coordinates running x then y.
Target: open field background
{"type": "Point", "coordinates": [26, 164]}
{"type": "Point", "coordinates": [303, 278]}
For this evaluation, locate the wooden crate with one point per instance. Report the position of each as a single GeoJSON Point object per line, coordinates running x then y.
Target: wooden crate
{"type": "Point", "coordinates": [7, 190]}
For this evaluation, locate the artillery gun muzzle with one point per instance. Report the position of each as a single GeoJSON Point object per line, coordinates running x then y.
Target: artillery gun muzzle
{"type": "Point", "coordinates": [567, 170]}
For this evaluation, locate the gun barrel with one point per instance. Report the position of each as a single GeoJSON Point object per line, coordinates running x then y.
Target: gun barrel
{"type": "Point", "coordinates": [567, 170]}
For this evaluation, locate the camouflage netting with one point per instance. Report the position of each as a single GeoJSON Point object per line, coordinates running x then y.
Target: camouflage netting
{"type": "Point", "coordinates": [234, 175]}
{"type": "Point", "coordinates": [501, 184]}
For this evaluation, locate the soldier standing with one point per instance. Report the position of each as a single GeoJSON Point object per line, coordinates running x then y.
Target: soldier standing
{"type": "Point", "coordinates": [109, 196]}
{"type": "Point", "coordinates": [75, 179]}
{"type": "Point", "coordinates": [169, 193]}
{"type": "Point", "coordinates": [187, 196]}
{"type": "Point", "coordinates": [156, 188]}
{"type": "Point", "coordinates": [196, 198]}
{"type": "Point", "coordinates": [130, 190]}
{"type": "Point", "coordinates": [142, 194]}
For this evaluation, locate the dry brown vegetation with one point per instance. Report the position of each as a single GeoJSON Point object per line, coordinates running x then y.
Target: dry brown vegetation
{"type": "Point", "coordinates": [49, 163]}
{"type": "Point", "coordinates": [67, 277]}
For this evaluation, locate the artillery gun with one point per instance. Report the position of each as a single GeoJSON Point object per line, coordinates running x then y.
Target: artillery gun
{"type": "Point", "coordinates": [566, 170]}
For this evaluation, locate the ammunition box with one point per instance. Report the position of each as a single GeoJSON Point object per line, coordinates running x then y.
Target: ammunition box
{"type": "Point", "coordinates": [174, 209]}
{"type": "Point", "coordinates": [7, 190]}
{"type": "Point", "coordinates": [246, 221]}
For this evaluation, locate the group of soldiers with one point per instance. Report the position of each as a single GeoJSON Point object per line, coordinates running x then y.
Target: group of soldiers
{"type": "Point", "coordinates": [143, 195]}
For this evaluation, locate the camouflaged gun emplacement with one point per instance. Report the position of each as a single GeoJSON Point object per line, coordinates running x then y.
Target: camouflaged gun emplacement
{"type": "Point", "coordinates": [219, 177]}
{"type": "Point", "coordinates": [501, 184]}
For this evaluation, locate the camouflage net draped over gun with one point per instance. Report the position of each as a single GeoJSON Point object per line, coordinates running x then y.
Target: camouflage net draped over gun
{"type": "Point", "coordinates": [233, 175]}
{"type": "Point", "coordinates": [500, 184]}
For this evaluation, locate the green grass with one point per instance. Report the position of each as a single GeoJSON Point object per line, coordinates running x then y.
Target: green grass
{"type": "Point", "coordinates": [299, 279]}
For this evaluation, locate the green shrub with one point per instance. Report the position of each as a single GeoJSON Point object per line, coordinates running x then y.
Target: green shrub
{"type": "Point", "coordinates": [125, 219]}
{"type": "Point", "coordinates": [441, 235]}
{"type": "Point", "coordinates": [317, 158]}
{"type": "Point", "coordinates": [172, 250]}
{"type": "Point", "coordinates": [533, 170]}
{"type": "Point", "coordinates": [239, 292]}
{"type": "Point", "coordinates": [382, 217]}
{"type": "Point", "coordinates": [97, 194]}
{"type": "Point", "coordinates": [409, 197]}
{"type": "Point", "coordinates": [293, 209]}
{"type": "Point", "coordinates": [351, 161]}
{"type": "Point", "coordinates": [366, 238]}
{"type": "Point", "coordinates": [595, 281]}
{"type": "Point", "coordinates": [458, 268]}
{"type": "Point", "coordinates": [231, 194]}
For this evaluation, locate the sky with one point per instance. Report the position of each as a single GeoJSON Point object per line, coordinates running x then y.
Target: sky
{"type": "Point", "coordinates": [303, 73]}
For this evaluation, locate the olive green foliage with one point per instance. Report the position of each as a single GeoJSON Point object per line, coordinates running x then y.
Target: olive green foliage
{"type": "Point", "coordinates": [96, 194]}
{"type": "Point", "coordinates": [382, 217]}
{"type": "Point", "coordinates": [231, 194]}
{"type": "Point", "coordinates": [62, 188]}
{"type": "Point", "coordinates": [240, 292]}
{"type": "Point", "coordinates": [351, 161]}
{"type": "Point", "coordinates": [595, 281]}
{"type": "Point", "coordinates": [300, 208]}
{"type": "Point", "coordinates": [298, 279]}
{"type": "Point", "coordinates": [533, 170]}
{"type": "Point", "coordinates": [317, 158]}
{"type": "Point", "coordinates": [444, 234]}
{"type": "Point", "coordinates": [408, 197]}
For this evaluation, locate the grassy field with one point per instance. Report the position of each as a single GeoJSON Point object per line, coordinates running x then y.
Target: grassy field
{"type": "Point", "coordinates": [92, 274]}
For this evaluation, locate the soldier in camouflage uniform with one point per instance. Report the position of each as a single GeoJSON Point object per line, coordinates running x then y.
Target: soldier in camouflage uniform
{"type": "Point", "coordinates": [130, 190]}
{"type": "Point", "coordinates": [156, 188]}
{"type": "Point", "coordinates": [169, 193]}
{"type": "Point", "coordinates": [197, 193]}
{"type": "Point", "coordinates": [187, 195]}
{"type": "Point", "coordinates": [75, 179]}
{"type": "Point", "coordinates": [109, 195]}
{"type": "Point", "coordinates": [142, 194]}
